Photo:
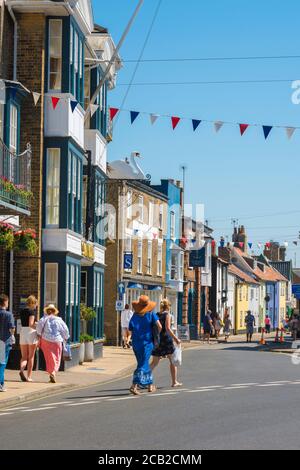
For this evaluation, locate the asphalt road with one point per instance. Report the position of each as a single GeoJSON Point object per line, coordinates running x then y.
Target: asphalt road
{"type": "Point", "coordinates": [232, 398]}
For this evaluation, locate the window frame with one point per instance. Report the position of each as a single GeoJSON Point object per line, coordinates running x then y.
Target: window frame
{"type": "Point", "coordinates": [50, 21]}
{"type": "Point", "coordinates": [46, 299]}
{"type": "Point", "coordinates": [52, 186]}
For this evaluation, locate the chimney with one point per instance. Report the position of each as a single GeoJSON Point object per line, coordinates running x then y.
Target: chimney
{"type": "Point", "coordinates": [225, 253]}
{"type": "Point", "coordinates": [240, 236]}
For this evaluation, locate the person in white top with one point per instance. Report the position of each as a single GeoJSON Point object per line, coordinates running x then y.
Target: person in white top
{"type": "Point", "coordinates": [126, 315]}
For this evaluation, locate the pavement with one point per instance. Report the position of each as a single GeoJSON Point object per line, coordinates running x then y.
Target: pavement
{"type": "Point", "coordinates": [116, 363]}
{"type": "Point", "coordinates": [233, 397]}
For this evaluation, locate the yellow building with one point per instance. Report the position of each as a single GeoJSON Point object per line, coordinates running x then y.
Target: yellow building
{"type": "Point", "coordinates": [283, 292]}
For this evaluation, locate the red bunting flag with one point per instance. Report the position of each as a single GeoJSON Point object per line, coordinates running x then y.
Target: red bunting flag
{"type": "Point", "coordinates": [55, 101]}
{"type": "Point", "coordinates": [113, 112]}
{"type": "Point", "coordinates": [175, 121]}
{"type": "Point", "coordinates": [268, 244]}
{"type": "Point", "coordinates": [241, 244]}
{"type": "Point", "coordinates": [243, 128]}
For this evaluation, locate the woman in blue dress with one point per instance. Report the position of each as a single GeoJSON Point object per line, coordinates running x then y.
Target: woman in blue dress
{"type": "Point", "coordinates": [141, 326]}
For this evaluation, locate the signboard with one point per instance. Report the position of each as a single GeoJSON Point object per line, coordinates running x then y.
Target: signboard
{"type": "Point", "coordinates": [120, 305]}
{"type": "Point", "coordinates": [87, 251]}
{"type": "Point", "coordinates": [121, 288]}
{"type": "Point", "coordinates": [197, 258]}
{"type": "Point", "coordinates": [183, 333]}
{"type": "Point", "coordinates": [128, 259]}
{"type": "Point", "coordinates": [296, 290]}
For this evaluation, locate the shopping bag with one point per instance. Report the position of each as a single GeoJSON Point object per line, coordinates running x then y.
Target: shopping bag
{"type": "Point", "coordinates": [67, 354]}
{"type": "Point", "coordinates": [2, 352]}
{"type": "Point", "coordinates": [177, 356]}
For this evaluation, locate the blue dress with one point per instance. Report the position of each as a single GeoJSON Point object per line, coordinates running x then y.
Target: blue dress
{"type": "Point", "coordinates": [142, 343]}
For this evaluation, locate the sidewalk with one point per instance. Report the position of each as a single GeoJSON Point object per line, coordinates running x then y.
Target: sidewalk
{"type": "Point", "coordinates": [115, 364]}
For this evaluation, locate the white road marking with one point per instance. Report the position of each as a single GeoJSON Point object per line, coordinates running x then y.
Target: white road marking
{"type": "Point", "coordinates": [280, 382]}
{"type": "Point", "coordinates": [94, 399]}
{"type": "Point", "coordinates": [202, 390]}
{"type": "Point", "coordinates": [270, 385]}
{"type": "Point", "coordinates": [178, 389]}
{"type": "Point", "coordinates": [211, 386]}
{"type": "Point", "coordinates": [17, 409]}
{"type": "Point", "coordinates": [4, 414]}
{"type": "Point", "coordinates": [38, 409]}
{"type": "Point", "coordinates": [57, 403]}
{"type": "Point", "coordinates": [82, 403]}
{"type": "Point", "coordinates": [235, 387]}
{"type": "Point", "coordinates": [120, 399]}
{"type": "Point", "coordinates": [161, 394]}
{"type": "Point", "coordinates": [248, 384]}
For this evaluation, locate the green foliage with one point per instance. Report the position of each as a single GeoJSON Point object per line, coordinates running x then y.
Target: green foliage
{"type": "Point", "coordinates": [84, 338]}
{"type": "Point", "coordinates": [87, 313]}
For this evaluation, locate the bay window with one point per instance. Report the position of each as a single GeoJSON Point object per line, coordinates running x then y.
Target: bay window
{"type": "Point", "coordinates": [51, 283]}
{"type": "Point", "coordinates": [55, 55]}
{"type": "Point", "coordinates": [53, 187]}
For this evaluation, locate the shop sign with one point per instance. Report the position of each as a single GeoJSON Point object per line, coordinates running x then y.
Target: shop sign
{"type": "Point", "coordinates": [183, 332]}
{"type": "Point", "coordinates": [87, 251]}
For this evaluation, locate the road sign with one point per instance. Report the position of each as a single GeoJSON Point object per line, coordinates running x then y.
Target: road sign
{"type": "Point", "coordinates": [128, 259]}
{"type": "Point", "coordinates": [121, 288]}
{"type": "Point", "coordinates": [120, 305]}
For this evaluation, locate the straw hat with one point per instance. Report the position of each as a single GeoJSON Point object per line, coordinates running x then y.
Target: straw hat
{"type": "Point", "coordinates": [143, 305]}
{"type": "Point", "coordinates": [52, 308]}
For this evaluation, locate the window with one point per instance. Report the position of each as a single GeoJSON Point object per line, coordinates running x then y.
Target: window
{"type": "Point", "coordinates": [172, 225]}
{"type": "Point", "coordinates": [128, 244]}
{"type": "Point", "coordinates": [51, 283]}
{"type": "Point", "coordinates": [151, 214]}
{"type": "Point", "coordinates": [74, 192]}
{"type": "Point", "coordinates": [53, 185]}
{"type": "Point", "coordinates": [13, 128]}
{"type": "Point", "coordinates": [181, 265]}
{"type": "Point", "coordinates": [55, 55]}
{"type": "Point", "coordinates": [174, 266]}
{"type": "Point", "coordinates": [149, 258]}
{"type": "Point", "coordinates": [141, 208]}
{"type": "Point", "coordinates": [159, 259]}
{"type": "Point", "coordinates": [83, 287]}
{"type": "Point", "coordinates": [1, 120]}
{"type": "Point", "coordinates": [240, 293]}
{"type": "Point", "coordinates": [161, 216]}
{"type": "Point", "coordinates": [140, 257]}
{"type": "Point", "coordinates": [129, 205]}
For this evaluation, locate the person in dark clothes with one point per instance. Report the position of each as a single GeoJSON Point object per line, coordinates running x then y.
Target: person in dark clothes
{"type": "Point", "coordinates": [28, 338]}
{"type": "Point", "coordinates": [166, 346]}
{"type": "Point", "coordinates": [7, 330]}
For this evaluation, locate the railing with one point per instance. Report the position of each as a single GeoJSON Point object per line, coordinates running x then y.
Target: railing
{"type": "Point", "coordinates": [15, 177]}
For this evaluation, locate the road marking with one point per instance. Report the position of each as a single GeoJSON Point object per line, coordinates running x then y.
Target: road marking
{"type": "Point", "coordinates": [235, 387]}
{"type": "Point", "coordinates": [270, 385]}
{"type": "Point", "coordinates": [120, 399]}
{"type": "Point", "coordinates": [96, 398]}
{"type": "Point", "coordinates": [280, 382]}
{"type": "Point", "coordinates": [211, 386]}
{"type": "Point", "coordinates": [161, 394]}
{"type": "Point", "coordinates": [82, 403]}
{"type": "Point", "coordinates": [17, 409]}
{"type": "Point", "coordinates": [248, 384]}
{"type": "Point", "coordinates": [4, 414]}
{"type": "Point", "coordinates": [39, 409]}
{"type": "Point", "coordinates": [57, 403]}
{"type": "Point", "coordinates": [202, 390]}
{"type": "Point", "coordinates": [178, 389]}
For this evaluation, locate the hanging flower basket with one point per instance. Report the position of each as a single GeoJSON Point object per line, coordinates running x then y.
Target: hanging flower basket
{"type": "Point", "coordinates": [15, 189]}
{"type": "Point", "coordinates": [7, 238]}
{"type": "Point", "coordinates": [25, 241]}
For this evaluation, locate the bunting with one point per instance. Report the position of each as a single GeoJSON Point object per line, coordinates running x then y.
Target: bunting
{"type": "Point", "coordinates": [250, 245]}
{"type": "Point", "coordinates": [113, 112]}
{"type": "Point", "coordinates": [36, 97]}
{"type": "Point", "coordinates": [94, 108]}
{"type": "Point", "coordinates": [196, 123]}
{"type": "Point", "coordinates": [133, 116]}
{"type": "Point", "coordinates": [175, 121]}
{"type": "Point", "coordinates": [243, 128]}
{"type": "Point", "coordinates": [153, 118]}
{"type": "Point", "coordinates": [55, 101]}
{"type": "Point", "coordinates": [267, 130]}
{"type": "Point", "coordinates": [73, 104]}
{"type": "Point", "coordinates": [290, 131]}
{"type": "Point", "coordinates": [218, 125]}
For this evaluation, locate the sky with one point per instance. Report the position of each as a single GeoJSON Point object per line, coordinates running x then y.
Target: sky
{"type": "Point", "coordinates": [245, 178]}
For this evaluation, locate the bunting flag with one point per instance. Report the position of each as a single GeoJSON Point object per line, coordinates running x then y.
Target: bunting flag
{"type": "Point", "coordinates": [222, 243]}
{"type": "Point", "coordinates": [250, 245]}
{"type": "Point", "coordinates": [94, 108]}
{"type": "Point", "coordinates": [267, 130]}
{"type": "Point", "coordinates": [155, 236]}
{"type": "Point", "coordinates": [175, 121]}
{"type": "Point", "coordinates": [295, 243]}
{"type": "Point", "coordinates": [259, 245]}
{"type": "Point", "coordinates": [55, 101]}
{"type": "Point", "coordinates": [153, 118]}
{"type": "Point", "coordinates": [268, 244]}
{"type": "Point", "coordinates": [286, 244]}
{"type": "Point", "coordinates": [196, 123]}
{"type": "Point", "coordinates": [218, 125]}
{"type": "Point", "coordinates": [241, 244]}
{"type": "Point", "coordinates": [243, 128]}
{"type": "Point", "coordinates": [36, 97]}
{"type": "Point", "coordinates": [133, 116]}
{"type": "Point", "coordinates": [290, 131]}
{"type": "Point", "coordinates": [73, 104]}
{"type": "Point", "coordinates": [113, 112]}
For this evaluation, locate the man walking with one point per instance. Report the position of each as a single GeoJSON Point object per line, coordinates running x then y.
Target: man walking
{"type": "Point", "coordinates": [207, 326]}
{"type": "Point", "coordinates": [7, 330]}
{"type": "Point", "coordinates": [125, 320]}
{"type": "Point", "coordinates": [250, 323]}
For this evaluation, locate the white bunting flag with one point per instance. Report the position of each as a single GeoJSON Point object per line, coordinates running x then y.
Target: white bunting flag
{"type": "Point", "coordinates": [94, 108]}
{"type": "Point", "coordinates": [218, 125]}
{"type": "Point", "coordinates": [286, 244]}
{"type": "Point", "coordinates": [153, 118]}
{"type": "Point", "coordinates": [259, 245]}
{"type": "Point", "coordinates": [36, 97]}
{"type": "Point", "coordinates": [290, 131]}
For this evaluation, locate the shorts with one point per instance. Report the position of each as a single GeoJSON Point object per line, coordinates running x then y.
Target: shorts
{"type": "Point", "coordinates": [28, 336]}
{"type": "Point", "coordinates": [125, 331]}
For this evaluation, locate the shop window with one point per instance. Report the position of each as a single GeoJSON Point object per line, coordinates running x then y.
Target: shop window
{"type": "Point", "coordinates": [51, 283]}
{"type": "Point", "coordinates": [53, 187]}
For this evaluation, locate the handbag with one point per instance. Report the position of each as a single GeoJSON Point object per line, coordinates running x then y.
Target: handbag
{"type": "Point", "coordinates": [67, 353]}
{"type": "Point", "coordinates": [177, 356]}
{"type": "Point", "coordinates": [155, 334]}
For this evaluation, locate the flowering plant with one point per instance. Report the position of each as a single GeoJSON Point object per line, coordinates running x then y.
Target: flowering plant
{"type": "Point", "coordinates": [6, 236]}
{"type": "Point", "coordinates": [24, 240]}
{"type": "Point", "coordinates": [17, 189]}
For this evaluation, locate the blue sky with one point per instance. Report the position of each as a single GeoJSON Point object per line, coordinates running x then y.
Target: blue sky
{"type": "Point", "coordinates": [241, 177]}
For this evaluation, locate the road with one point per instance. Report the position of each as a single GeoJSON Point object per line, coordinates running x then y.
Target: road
{"type": "Point", "coordinates": [233, 397]}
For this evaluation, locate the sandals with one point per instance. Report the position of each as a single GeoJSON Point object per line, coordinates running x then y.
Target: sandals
{"type": "Point", "coordinates": [178, 384]}
{"type": "Point", "coordinates": [134, 390]}
{"type": "Point", "coordinates": [22, 376]}
{"type": "Point", "coordinates": [52, 379]}
{"type": "Point", "coordinates": [152, 389]}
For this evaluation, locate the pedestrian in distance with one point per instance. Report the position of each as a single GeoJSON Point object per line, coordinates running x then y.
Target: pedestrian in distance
{"type": "Point", "coordinates": [268, 324]}
{"type": "Point", "coordinates": [217, 322]}
{"type": "Point", "coordinates": [207, 326]}
{"type": "Point", "coordinates": [166, 348]}
{"type": "Point", "coordinates": [52, 332]}
{"type": "Point", "coordinates": [7, 339]}
{"type": "Point", "coordinates": [142, 325]}
{"type": "Point", "coordinates": [28, 338]}
{"type": "Point", "coordinates": [227, 326]}
{"type": "Point", "coordinates": [250, 323]}
{"type": "Point", "coordinates": [126, 315]}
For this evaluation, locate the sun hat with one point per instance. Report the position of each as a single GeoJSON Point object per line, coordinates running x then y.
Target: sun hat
{"type": "Point", "coordinates": [143, 305]}
{"type": "Point", "coordinates": [52, 308]}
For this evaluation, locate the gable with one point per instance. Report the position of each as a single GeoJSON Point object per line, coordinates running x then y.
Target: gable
{"type": "Point", "coordinates": [84, 10]}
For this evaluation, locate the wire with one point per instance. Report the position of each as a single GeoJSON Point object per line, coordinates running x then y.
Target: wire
{"type": "Point", "coordinates": [217, 82]}
{"type": "Point", "coordinates": [271, 214]}
{"type": "Point", "coordinates": [199, 59]}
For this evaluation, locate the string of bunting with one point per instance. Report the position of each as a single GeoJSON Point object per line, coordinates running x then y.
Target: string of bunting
{"type": "Point", "coordinates": [251, 245]}
{"type": "Point", "coordinates": [175, 120]}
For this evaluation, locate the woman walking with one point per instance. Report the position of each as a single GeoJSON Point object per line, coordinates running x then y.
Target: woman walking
{"type": "Point", "coordinates": [166, 346]}
{"type": "Point", "coordinates": [227, 326]}
{"type": "Point", "coordinates": [52, 331]}
{"type": "Point", "coordinates": [217, 325]}
{"type": "Point", "coordinates": [141, 325]}
{"type": "Point", "coordinates": [28, 338]}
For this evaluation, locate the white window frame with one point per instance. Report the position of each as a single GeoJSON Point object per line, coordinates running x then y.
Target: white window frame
{"type": "Point", "coordinates": [48, 300]}
{"type": "Point", "coordinates": [13, 128]}
{"type": "Point", "coordinates": [51, 21]}
{"type": "Point", "coordinates": [1, 120]}
{"type": "Point", "coordinates": [141, 208]}
{"type": "Point", "coordinates": [151, 214]}
{"type": "Point", "coordinates": [161, 216]}
{"type": "Point", "coordinates": [129, 204]}
{"type": "Point", "coordinates": [159, 259]}
{"type": "Point", "coordinates": [140, 256]}
{"type": "Point", "coordinates": [172, 225]}
{"type": "Point", "coordinates": [149, 257]}
{"type": "Point", "coordinates": [53, 184]}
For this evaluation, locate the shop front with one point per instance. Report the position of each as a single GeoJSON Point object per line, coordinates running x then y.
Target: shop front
{"type": "Point", "coordinates": [134, 290]}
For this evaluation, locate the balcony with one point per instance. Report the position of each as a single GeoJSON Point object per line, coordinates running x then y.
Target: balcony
{"type": "Point", "coordinates": [15, 181]}
{"type": "Point", "coordinates": [94, 142]}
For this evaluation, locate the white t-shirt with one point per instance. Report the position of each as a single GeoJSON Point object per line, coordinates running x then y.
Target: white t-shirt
{"type": "Point", "coordinates": [126, 317]}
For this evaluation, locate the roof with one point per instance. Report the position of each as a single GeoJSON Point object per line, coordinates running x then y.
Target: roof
{"type": "Point", "coordinates": [284, 267]}
{"type": "Point", "coordinates": [270, 274]}
{"type": "Point", "coordinates": [232, 269]}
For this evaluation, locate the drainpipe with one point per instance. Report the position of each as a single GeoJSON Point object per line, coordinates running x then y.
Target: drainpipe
{"type": "Point", "coordinates": [11, 280]}
{"type": "Point", "coordinates": [10, 10]}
